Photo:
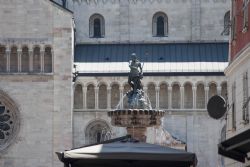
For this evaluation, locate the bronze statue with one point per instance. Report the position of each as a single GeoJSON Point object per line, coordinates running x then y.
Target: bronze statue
{"type": "Point", "coordinates": [135, 75]}
{"type": "Point", "coordinates": [136, 97]}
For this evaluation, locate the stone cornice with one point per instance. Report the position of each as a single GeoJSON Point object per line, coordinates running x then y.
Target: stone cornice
{"type": "Point", "coordinates": [241, 58]}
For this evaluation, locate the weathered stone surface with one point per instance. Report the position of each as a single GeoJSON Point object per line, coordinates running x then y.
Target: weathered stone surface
{"type": "Point", "coordinates": [44, 101]}
{"type": "Point", "coordinates": [192, 126]}
{"type": "Point", "coordinates": [131, 21]}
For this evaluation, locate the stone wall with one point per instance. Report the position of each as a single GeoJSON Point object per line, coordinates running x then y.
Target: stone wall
{"type": "Point", "coordinates": [44, 100]}
{"type": "Point", "coordinates": [131, 20]}
{"type": "Point", "coordinates": [191, 125]}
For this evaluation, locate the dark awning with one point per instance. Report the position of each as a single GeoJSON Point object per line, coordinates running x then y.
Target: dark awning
{"type": "Point", "coordinates": [127, 153]}
{"type": "Point", "coordinates": [236, 147]}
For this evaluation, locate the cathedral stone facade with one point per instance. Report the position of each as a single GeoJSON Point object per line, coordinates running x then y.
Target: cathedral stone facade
{"type": "Point", "coordinates": [183, 45]}
{"type": "Point", "coordinates": [35, 82]}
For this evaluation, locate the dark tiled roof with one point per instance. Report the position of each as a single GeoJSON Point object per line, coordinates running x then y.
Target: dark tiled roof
{"type": "Point", "coordinates": [171, 52]}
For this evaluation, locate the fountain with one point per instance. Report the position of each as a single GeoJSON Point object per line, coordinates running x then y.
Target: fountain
{"type": "Point", "coordinates": [127, 151]}
{"type": "Point", "coordinates": [140, 114]}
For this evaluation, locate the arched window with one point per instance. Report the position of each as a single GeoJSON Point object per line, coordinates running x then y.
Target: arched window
{"type": "Point", "coordinates": [188, 96]}
{"type": "Point", "coordinates": [200, 96]}
{"type": "Point", "coordinates": [226, 23]}
{"type": "Point", "coordinates": [152, 95]}
{"type": "Point", "coordinates": [13, 59]}
{"type": "Point", "coordinates": [102, 96]}
{"type": "Point", "coordinates": [90, 97]}
{"type": "Point", "coordinates": [48, 60]}
{"type": "Point", "coordinates": [160, 24]}
{"type": "Point", "coordinates": [212, 90]}
{"type": "Point", "coordinates": [176, 96]}
{"type": "Point", "coordinates": [78, 97]}
{"type": "Point", "coordinates": [163, 99]}
{"type": "Point", "coordinates": [9, 120]}
{"type": "Point", "coordinates": [3, 59]}
{"type": "Point", "coordinates": [96, 26]}
{"type": "Point", "coordinates": [25, 59]}
{"type": "Point", "coordinates": [115, 95]}
{"type": "Point", "coordinates": [36, 60]}
{"type": "Point", "coordinates": [97, 131]}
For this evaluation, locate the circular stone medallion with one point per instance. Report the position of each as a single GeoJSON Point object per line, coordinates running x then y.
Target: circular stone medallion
{"type": "Point", "coordinates": [8, 124]}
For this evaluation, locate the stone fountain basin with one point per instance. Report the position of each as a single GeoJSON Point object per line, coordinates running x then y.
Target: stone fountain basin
{"type": "Point", "coordinates": [136, 117]}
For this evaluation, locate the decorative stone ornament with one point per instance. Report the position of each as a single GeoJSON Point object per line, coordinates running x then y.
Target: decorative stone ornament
{"type": "Point", "coordinates": [140, 114]}
{"type": "Point", "coordinates": [9, 121]}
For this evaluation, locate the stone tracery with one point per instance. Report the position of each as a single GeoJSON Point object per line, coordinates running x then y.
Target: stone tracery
{"type": "Point", "coordinates": [9, 121]}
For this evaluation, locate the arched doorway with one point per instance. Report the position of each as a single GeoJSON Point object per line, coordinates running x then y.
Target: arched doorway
{"type": "Point", "coordinates": [97, 131]}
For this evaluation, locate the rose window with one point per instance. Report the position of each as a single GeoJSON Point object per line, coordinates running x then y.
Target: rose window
{"type": "Point", "coordinates": [8, 124]}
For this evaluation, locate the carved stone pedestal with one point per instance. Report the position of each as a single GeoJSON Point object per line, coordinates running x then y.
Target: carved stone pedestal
{"type": "Point", "coordinates": [138, 133]}
{"type": "Point", "coordinates": [136, 121]}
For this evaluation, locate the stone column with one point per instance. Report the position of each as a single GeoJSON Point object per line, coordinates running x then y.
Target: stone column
{"type": "Point", "coordinates": [8, 58]}
{"type": "Point", "coordinates": [31, 60]}
{"type": "Point", "coordinates": [182, 97]}
{"type": "Point", "coordinates": [19, 59]}
{"type": "Point", "coordinates": [206, 95]}
{"type": "Point", "coordinates": [157, 89]}
{"type": "Point", "coordinates": [84, 92]}
{"type": "Point", "coordinates": [42, 52]}
{"type": "Point", "coordinates": [219, 90]}
{"type": "Point", "coordinates": [121, 96]}
{"type": "Point", "coordinates": [170, 97]}
{"type": "Point", "coordinates": [96, 97]}
{"type": "Point", "coordinates": [194, 88]}
{"type": "Point", "coordinates": [109, 97]}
